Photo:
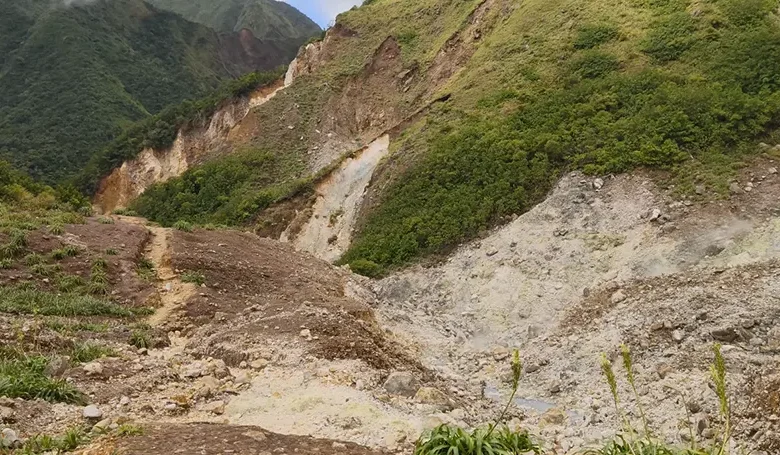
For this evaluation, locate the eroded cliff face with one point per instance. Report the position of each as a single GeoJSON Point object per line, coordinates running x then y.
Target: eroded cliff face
{"type": "Point", "coordinates": [191, 147]}
{"type": "Point", "coordinates": [340, 128]}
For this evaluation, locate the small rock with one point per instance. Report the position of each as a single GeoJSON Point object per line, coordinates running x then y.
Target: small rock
{"type": "Point", "coordinates": [9, 439]}
{"type": "Point", "coordinates": [216, 407]}
{"type": "Point", "coordinates": [7, 415]}
{"type": "Point", "coordinates": [664, 370]}
{"type": "Point", "coordinates": [598, 183]}
{"type": "Point", "coordinates": [655, 214]}
{"type": "Point", "coordinates": [193, 370]}
{"type": "Point", "coordinates": [773, 170]}
{"type": "Point", "coordinates": [305, 333]}
{"type": "Point", "coordinates": [553, 416]}
{"type": "Point", "coordinates": [242, 378]}
{"type": "Point", "coordinates": [220, 316]}
{"type": "Point", "coordinates": [532, 368]}
{"type": "Point", "coordinates": [433, 397]}
{"type": "Point", "coordinates": [103, 425]}
{"type": "Point", "coordinates": [124, 401]}
{"type": "Point", "coordinates": [402, 383]}
{"type": "Point", "coordinates": [756, 341]}
{"type": "Point", "coordinates": [618, 296]}
{"type": "Point", "coordinates": [694, 407]}
{"type": "Point", "coordinates": [258, 364]}
{"type": "Point", "coordinates": [726, 335]}
{"type": "Point", "coordinates": [57, 366]}
{"type": "Point", "coordinates": [92, 412]}
{"type": "Point", "coordinates": [93, 368]}
{"type": "Point", "coordinates": [171, 406]}
{"type": "Point", "coordinates": [678, 335]}
{"type": "Point", "coordinates": [555, 387]}
{"type": "Point", "coordinates": [735, 188]}
{"type": "Point", "coordinates": [702, 423]}
{"type": "Point", "coordinates": [700, 190]}
{"type": "Point", "coordinates": [492, 252]}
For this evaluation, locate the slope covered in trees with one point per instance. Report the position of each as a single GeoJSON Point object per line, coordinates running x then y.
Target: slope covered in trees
{"type": "Point", "coordinates": [71, 78]}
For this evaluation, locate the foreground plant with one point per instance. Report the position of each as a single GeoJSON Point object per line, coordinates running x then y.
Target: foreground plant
{"type": "Point", "coordinates": [634, 443]}
{"type": "Point", "coordinates": [495, 439]}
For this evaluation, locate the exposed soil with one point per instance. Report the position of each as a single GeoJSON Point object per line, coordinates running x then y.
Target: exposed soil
{"type": "Point", "coordinates": [213, 439]}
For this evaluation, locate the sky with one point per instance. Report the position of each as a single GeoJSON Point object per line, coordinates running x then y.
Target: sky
{"type": "Point", "coordinates": [323, 12]}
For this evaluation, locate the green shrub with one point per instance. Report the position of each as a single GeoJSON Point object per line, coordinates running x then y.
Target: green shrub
{"type": "Point", "coordinates": [69, 283]}
{"type": "Point", "coordinates": [42, 443]}
{"type": "Point", "coordinates": [65, 252]}
{"type": "Point", "coordinates": [594, 64]}
{"type": "Point", "coordinates": [366, 268]}
{"type": "Point", "coordinates": [25, 378]}
{"type": "Point", "coordinates": [183, 226]}
{"type": "Point", "coordinates": [33, 259]}
{"type": "Point", "coordinates": [105, 220]}
{"type": "Point", "coordinates": [140, 339]}
{"type": "Point", "coordinates": [670, 37]}
{"type": "Point", "coordinates": [6, 264]}
{"type": "Point", "coordinates": [193, 277]}
{"type": "Point", "coordinates": [590, 36]}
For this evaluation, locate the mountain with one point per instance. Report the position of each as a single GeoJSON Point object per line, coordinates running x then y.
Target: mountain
{"type": "Point", "coordinates": [457, 116]}
{"type": "Point", "coordinates": [272, 22]}
{"type": "Point", "coordinates": [72, 77]}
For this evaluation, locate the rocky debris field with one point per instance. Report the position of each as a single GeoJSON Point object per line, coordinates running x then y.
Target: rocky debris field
{"type": "Point", "coordinates": [600, 263]}
{"type": "Point", "coordinates": [256, 348]}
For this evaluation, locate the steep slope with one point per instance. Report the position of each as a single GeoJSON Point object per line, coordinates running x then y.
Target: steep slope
{"type": "Point", "coordinates": [487, 103]}
{"type": "Point", "coordinates": [72, 77]}
{"type": "Point", "coordinates": [271, 21]}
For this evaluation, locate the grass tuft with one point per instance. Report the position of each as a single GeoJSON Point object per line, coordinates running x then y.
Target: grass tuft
{"type": "Point", "coordinates": [26, 300]}
{"type": "Point", "coordinates": [25, 378]}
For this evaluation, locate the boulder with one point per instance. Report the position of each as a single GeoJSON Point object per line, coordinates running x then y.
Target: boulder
{"type": "Point", "coordinates": [433, 397]}
{"type": "Point", "coordinates": [92, 412]}
{"type": "Point", "coordinates": [402, 383]}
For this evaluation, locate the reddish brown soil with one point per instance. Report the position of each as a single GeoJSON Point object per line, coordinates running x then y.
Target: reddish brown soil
{"type": "Point", "coordinates": [262, 289]}
{"type": "Point", "coordinates": [205, 439]}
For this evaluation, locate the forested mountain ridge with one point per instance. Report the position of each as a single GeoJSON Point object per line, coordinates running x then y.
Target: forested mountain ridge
{"type": "Point", "coordinates": [72, 77]}
{"type": "Point", "coordinates": [269, 20]}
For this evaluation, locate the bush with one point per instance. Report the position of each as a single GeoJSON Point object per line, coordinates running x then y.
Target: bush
{"type": "Point", "coordinates": [25, 378]}
{"type": "Point", "coordinates": [183, 226]}
{"type": "Point", "coordinates": [366, 268]}
{"type": "Point", "coordinates": [593, 35]}
{"type": "Point", "coordinates": [670, 37]}
{"type": "Point", "coordinates": [593, 64]}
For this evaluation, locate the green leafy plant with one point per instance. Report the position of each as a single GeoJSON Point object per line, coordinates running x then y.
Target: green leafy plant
{"type": "Point", "coordinates": [25, 378]}
{"type": "Point", "coordinates": [128, 429]}
{"type": "Point", "coordinates": [495, 439]}
{"type": "Point", "coordinates": [592, 35]}
{"type": "Point", "coordinates": [183, 226]}
{"type": "Point", "coordinates": [145, 270]}
{"type": "Point", "coordinates": [140, 339]}
{"type": "Point", "coordinates": [111, 251]}
{"type": "Point", "coordinates": [105, 220]}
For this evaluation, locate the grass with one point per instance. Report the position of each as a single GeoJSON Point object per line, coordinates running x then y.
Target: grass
{"type": "Point", "coordinates": [67, 251]}
{"type": "Point", "coordinates": [42, 443]}
{"type": "Point", "coordinates": [145, 270]}
{"type": "Point", "coordinates": [25, 378]}
{"type": "Point", "coordinates": [68, 327]}
{"type": "Point", "coordinates": [193, 277]}
{"type": "Point", "coordinates": [18, 300]}
{"type": "Point", "coordinates": [87, 352]}
{"type": "Point", "coordinates": [140, 339]}
{"type": "Point", "coordinates": [105, 220]}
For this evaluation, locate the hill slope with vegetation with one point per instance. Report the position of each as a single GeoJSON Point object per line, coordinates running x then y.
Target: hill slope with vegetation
{"type": "Point", "coordinates": [71, 78]}
{"type": "Point", "coordinates": [269, 21]}
{"type": "Point", "coordinates": [530, 90]}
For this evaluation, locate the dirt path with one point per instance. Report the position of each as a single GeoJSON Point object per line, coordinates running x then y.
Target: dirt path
{"type": "Point", "coordinates": [173, 292]}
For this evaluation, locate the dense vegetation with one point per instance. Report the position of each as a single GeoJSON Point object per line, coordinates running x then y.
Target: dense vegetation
{"type": "Point", "coordinates": [272, 22]}
{"type": "Point", "coordinates": [709, 90]}
{"type": "Point", "coordinates": [71, 78]}
{"type": "Point", "coordinates": [159, 131]}
{"type": "Point", "coordinates": [229, 191]}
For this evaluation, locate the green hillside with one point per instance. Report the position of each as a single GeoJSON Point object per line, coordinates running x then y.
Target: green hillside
{"type": "Point", "coordinates": [271, 21]}
{"type": "Point", "coordinates": [605, 86]}
{"type": "Point", "coordinates": [72, 77]}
